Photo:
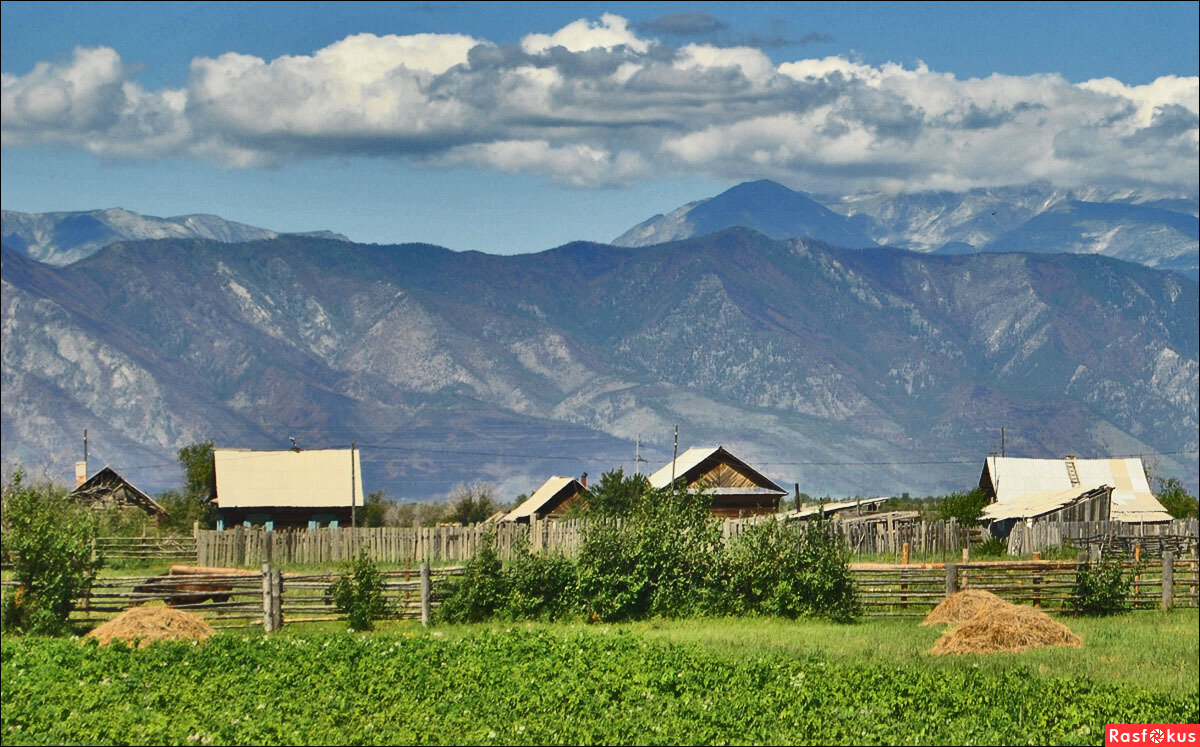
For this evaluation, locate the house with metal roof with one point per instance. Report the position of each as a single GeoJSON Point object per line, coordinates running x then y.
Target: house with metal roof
{"type": "Point", "coordinates": [737, 488]}
{"type": "Point", "coordinates": [551, 500]}
{"type": "Point", "coordinates": [285, 489]}
{"type": "Point", "coordinates": [107, 488]}
{"type": "Point", "coordinates": [1020, 486]}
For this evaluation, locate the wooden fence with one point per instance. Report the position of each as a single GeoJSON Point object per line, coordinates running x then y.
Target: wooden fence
{"type": "Point", "coordinates": [913, 590]}
{"type": "Point", "coordinates": [267, 598]}
{"type": "Point", "coordinates": [940, 541]}
{"type": "Point", "coordinates": [145, 548]}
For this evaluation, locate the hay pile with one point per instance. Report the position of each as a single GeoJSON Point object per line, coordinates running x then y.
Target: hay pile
{"type": "Point", "coordinates": [148, 624]}
{"type": "Point", "coordinates": [962, 606]}
{"type": "Point", "coordinates": [988, 624]}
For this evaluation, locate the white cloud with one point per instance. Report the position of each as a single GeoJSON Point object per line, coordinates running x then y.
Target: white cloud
{"type": "Point", "coordinates": [594, 104]}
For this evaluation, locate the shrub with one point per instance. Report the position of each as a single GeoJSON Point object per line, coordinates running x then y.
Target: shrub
{"type": "Point", "coordinates": [792, 571]}
{"type": "Point", "coordinates": [358, 593]}
{"type": "Point", "coordinates": [1101, 588]}
{"type": "Point", "coordinates": [482, 590]}
{"type": "Point", "coordinates": [963, 507]}
{"type": "Point", "coordinates": [992, 547]}
{"type": "Point", "coordinates": [1175, 498]}
{"type": "Point", "coordinates": [541, 587]}
{"type": "Point", "coordinates": [48, 540]}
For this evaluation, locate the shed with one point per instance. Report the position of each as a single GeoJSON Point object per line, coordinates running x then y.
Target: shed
{"type": "Point", "coordinates": [107, 488]}
{"type": "Point", "coordinates": [1006, 479]}
{"type": "Point", "coordinates": [282, 489]}
{"type": "Point", "coordinates": [550, 500]}
{"type": "Point", "coordinates": [1075, 504]}
{"type": "Point", "coordinates": [737, 488]}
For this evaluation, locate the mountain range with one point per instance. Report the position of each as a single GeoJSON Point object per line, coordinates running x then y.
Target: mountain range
{"type": "Point", "coordinates": [871, 370]}
{"type": "Point", "coordinates": [1155, 230]}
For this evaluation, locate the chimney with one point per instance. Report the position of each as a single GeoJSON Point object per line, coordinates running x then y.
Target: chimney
{"type": "Point", "coordinates": [583, 479]}
{"type": "Point", "coordinates": [80, 473]}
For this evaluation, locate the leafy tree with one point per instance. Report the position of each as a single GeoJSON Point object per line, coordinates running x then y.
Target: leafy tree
{"type": "Point", "coordinates": [1175, 498]}
{"type": "Point", "coordinates": [615, 494]}
{"type": "Point", "coordinates": [375, 509]}
{"type": "Point", "coordinates": [48, 539]}
{"type": "Point", "coordinates": [471, 504]}
{"type": "Point", "coordinates": [963, 507]}
{"type": "Point", "coordinates": [199, 488]}
{"type": "Point", "coordinates": [358, 593]}
{"type": "Point", "coordinates": [183, 511]}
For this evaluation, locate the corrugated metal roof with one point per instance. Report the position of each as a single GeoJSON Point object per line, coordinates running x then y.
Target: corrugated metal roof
{"type": "Point", "coordinates": [1032, 505]}
{"type": "Point", "coordinates": [540, 498]}
{"type": "Point", "coordinates": [694, 456]}
{"type": "Point", "coordinates": [832, 508]}
{"type": "Point", "coordinates": [310, 478]}
{"type": "Point", "coordinates": [1132, 499]}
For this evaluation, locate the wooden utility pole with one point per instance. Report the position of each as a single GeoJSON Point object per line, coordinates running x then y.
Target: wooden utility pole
{"type": "Point", "coordinates": [674, 458]}
{"type": "Point", "coordinates": [1001, 440]}
{"type": "Point", "coordinates": [353, 516]}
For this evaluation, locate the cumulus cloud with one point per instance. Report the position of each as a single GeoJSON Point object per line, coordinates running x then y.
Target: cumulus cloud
{"type": "Point", "coordinates": [601, 103]}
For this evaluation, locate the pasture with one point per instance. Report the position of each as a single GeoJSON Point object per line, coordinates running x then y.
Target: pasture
{"type": "Point", "coordinates": [709, 681]}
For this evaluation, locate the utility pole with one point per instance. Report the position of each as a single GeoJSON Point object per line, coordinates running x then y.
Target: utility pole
{"type": "Point", "coordinates": [1001, 440]}
{"type": "Point", "coordinates": [353, 516]}
{"type": "Point", "coordinates": [637, 456]}
{"type": "Point", "coordinates": [85, 454]}
{"type": "Point", "coordinates": [674, 458]}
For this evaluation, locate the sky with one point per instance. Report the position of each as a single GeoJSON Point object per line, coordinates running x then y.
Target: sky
{"type": "Point", "coordinates": [516, 127]}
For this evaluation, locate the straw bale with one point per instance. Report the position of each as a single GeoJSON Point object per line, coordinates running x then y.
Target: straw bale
{"type": "Point", "coordinates": [962, 606]}
{"type": "Point", "coordinates": [1006, 628]}
{"type": "Point", "coordinates": [145, 625]}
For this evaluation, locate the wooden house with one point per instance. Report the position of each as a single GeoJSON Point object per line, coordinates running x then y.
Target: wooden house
{"type": "Point", "coordinates": [287, 489]}
{"type": "Point", "coordinates": [737, 488]}
{"type": "Point", "coordinates": [107, 489]}
{"type": "Point", "coordinates": [551, 500]}
{"type": "Point", "coordinates": [1008, 480]}
{"type": "Point", "coordinates": [1075, 504]}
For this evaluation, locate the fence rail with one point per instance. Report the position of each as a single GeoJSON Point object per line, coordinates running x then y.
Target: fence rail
{"type": "Point", "coordinates": [145, 548]}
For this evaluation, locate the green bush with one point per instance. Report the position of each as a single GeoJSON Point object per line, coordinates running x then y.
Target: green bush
{"type": "Point", "coordinates": [965, 508]}
{"type": "Point", "coordinates": [540, 587]}
{"type": "Point", "coordinates": [48, 540]}
{"type": "Point", "coordinates": [1101, 588]}
{"type": "Point", "coordinates": [481, 592]}
{"type": "Point", "coordinates": [992, 547]}
{"type": "Point", "coordinates": [1175, 498]}
{"type": "Point", "coordinates": [358, 593]}
{"type": "Point", "coordinates": [792, 571]}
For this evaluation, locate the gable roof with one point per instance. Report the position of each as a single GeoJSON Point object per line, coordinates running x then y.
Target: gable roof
{"type": "Point", "coordinates": [310, 478]}
{"type": "Point", "coordinates": [1132, 500]}
{"type": "Point", "coordinates": [108, 481]}
{"type": "Point", "coordinates": [551, 489]}
{"type": "Point", "coordinates": [688, 463]}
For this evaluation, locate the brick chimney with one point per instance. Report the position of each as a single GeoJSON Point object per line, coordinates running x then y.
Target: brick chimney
{"type": "Point", "coordinates": [583, 479]}
{"type": "Point", "coordinates": [80, 473]}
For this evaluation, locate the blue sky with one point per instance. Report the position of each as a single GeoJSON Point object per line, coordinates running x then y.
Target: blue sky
{"type": "Point", "coordinates": [508, 127]}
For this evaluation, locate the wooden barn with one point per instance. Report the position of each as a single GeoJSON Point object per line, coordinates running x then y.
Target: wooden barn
{"type": "Point", "coordinates": [1075, 504]}
{"type": "Point", "coordinates": [551, 500]}
{"type": "Point", "coordinates": [107, 489]}
{"type": "Point", "coordinates": [1009, 479]}
{"type": "Point", "coordinates": [737, 488]}
{"type": "Point", "coordinates": [287, 489]}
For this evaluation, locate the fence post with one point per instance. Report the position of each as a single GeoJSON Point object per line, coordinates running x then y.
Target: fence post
{"type": "Point", "coordinates": [1168, 580]}
{"type": "Point", "coordinates": [951, 579]}
{"type": "Point", "coordinates": [268, 616]}
{"type": "Point", "coordinates": [276, 600]}
{"type": "Point", "coordinates": [425, 593]}
{"type": "Point", "coordinates": [904, 553]}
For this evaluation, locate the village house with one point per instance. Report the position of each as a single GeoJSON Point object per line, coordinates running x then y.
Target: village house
{"type": "Point", "coordinates": [1068, 489]}
{"type": "Point", "coordinates": [737, 488]}
{"type": "Point", "coordinates": [107, 489]}
{"type": "Point", "coordinates": [551, 500]}
{"type": "Point", "coordinates": [287, 489]}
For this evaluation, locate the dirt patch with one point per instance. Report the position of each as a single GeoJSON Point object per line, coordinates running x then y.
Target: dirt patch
{"type": "Point", "coordinates": [148, 624]}
{"type": "Point", "coordinates": [962, 606]}
{"type": "Point", "coordinates": [1006, 628]}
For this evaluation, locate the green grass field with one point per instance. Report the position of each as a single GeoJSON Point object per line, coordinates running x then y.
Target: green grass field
{"type": "Point", "coordinates": [708, 681]}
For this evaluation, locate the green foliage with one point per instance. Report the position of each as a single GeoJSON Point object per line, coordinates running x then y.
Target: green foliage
{"type": "Point", "coordinates": [358, 593]}
{"type": "Point", "coordinates": [1102, 588]}
{"type": "Point", "coordinates": [792, 571]}
{"type": "Point", "coordinates": [540, 587]}
{"type": "Point", "coordinates": [374, 510]}
{"type": "Point", "coordinates": [963, 507]}
{"type": "Point", "coordinates": [992, 547]}
{"type": "Point", "coordinates": [482, 590]}
{"type": "Point", "coordinates": [514, 688]}
{"type": "Point", "coordinates": [615, 495]}
{"type": "Point", "coordinates": [199, 470]}
{"type": "Point", "coordinates": [48, 540]}
{"type": "Point", "coordinates": [471, 504]}
{"type": "Point", "coordinates": [123, 521]}
{"type": "Point", "coordinates": [1175, 499]}
{"type": "Point", "coordinates": [184, 510]}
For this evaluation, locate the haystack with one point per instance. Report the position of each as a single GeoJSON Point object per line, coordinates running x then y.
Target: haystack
{"type": "Point", "coordinates": [1007, 628]}
{"type": "Point", "coordinates": [962, 606]}
{"type": "Point", "coordinates": [148, 624]}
